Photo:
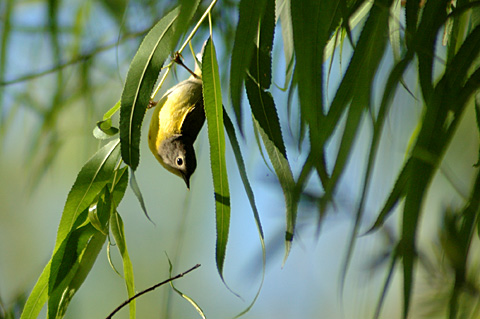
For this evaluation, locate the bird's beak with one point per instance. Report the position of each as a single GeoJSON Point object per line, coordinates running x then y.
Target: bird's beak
{"type": "Point", "coordinates": [187, 180]}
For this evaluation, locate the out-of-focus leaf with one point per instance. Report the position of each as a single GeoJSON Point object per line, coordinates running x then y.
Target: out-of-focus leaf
{"type": "Point", "coordinates": [412, 10]}
{"type": "Point", "coordinates": [356, 86]}
{"type": "Point", "coordinates": [477, 116]}
{"type": "Point", "coordinates": [433, 17]}
{"type": "Point", "coordinates": [116, 225]}
{"type": "Point", "coordinates": [395, 28]}
{"type": "Point", "coordinates": [250, 12]}
{"type": "Point", "coordinates": [187, 10]}
{"type": "Point", "coordinates": [91, 179]}
{"type": "Point", "coordinates": [323, 17]}
{"type": "Point", "coordinates": [141, 77]}
{"type": "Point", "coordinates": [285, 16]}
{"type": "Point", "coordinates": [212, 96]}
{"type": "Point", "coordinates": [390, 88]}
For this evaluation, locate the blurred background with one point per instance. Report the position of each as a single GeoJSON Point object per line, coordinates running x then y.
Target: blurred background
{"type": "Point", "coordinates": [62, 66]}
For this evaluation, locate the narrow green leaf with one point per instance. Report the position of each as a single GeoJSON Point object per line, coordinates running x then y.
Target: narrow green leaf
{"type": "Point", "coordinates": [412, 10]}
{"type": "Point", "coordinates": [99, 212]}
{"type": "Point", "coordinates": [116, 225]}
{"type": "Point", "coordinates": [81, 250]}
{"type": "Point", "coordinates": [39, 295]}
{"type": "Point", "coordinates": [477, 116]}
{"type": "Point", "coordinates": [187, 298]}
{"type": "Point", "coordinates": [187, 11]}
{"type": "Point", "coordinates": [265, 114]}
{"type": "Point", "coordinates": [138, 193]}
{"type": "Point", "coordinates": [285, 16]}
{"type": "Point", "coordinates": [357, 85]}
{"type": "Point", "coordinates": [397, 193]}
{"type": "Point", "coordinates": [388, 280]}
{"type": "Point", "coordinates": [248, 189]}
{"type": "Point", "coordinates": [250, 12]}
{"type": "Point", "coordinates": [91, 179]}
{"type": "Point", "coordinates": [212, 96]}
{"type": "Point", "coordinates": [394, 29]}
{"type": "Point", "coordinates": [262, 103]}
{"type": "Point", "coordinates": [141, 77]}
{"type": "Point", "coordinates": [394, 79]}
{"type": "Point", "coordinates": [433, 17]}
{"type": "Point", "coordinates": [119, 186]}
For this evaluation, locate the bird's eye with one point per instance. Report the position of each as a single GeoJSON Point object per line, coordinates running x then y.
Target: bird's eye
{"type": "Point", "coordinates": [179, 161]}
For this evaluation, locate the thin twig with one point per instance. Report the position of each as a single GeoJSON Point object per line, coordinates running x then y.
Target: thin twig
{"type": "Point", "coordinates": [126, 302]}
{"type": "Point", "coordinates": [75, 60]}
{"type": "Point", "coordinates": [189, 38]}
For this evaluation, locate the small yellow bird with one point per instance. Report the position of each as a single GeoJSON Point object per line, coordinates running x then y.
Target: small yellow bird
{"type": "Point", "coordinates": [176, 121]}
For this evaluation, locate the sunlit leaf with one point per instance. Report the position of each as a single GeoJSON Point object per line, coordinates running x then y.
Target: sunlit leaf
{"type": "Point", "coordinates": [73, 261]}
{"type": "Point", "coordinates": [116, 225]}
{"type": "Point", "coordinates": [141, 77]}
{"type": "Point", "coordinates": [91, 179]}
{"type": "Point", "coordinates": [212, 96]}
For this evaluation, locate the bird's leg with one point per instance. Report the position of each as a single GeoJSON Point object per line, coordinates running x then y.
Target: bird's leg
{"type": "Point", "coordinates": [177, 59]}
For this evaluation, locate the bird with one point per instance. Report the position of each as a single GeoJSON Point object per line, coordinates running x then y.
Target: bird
{"type": "Point", "coordinates": [176, 121]}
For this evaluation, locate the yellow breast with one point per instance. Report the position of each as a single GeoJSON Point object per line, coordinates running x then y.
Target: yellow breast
{"type": "Point", "coordinates": [171, 111]}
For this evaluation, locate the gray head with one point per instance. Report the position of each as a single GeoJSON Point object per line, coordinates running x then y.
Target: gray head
{"type": "Point", "coordinates": [178, 157]}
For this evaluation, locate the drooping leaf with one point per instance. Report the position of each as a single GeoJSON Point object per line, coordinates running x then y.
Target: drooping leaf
{"type": "Point", "coordinates": [323, 17]}
{"type": "Point", "coordinates": [394, 79]}
{"type": "Point", "coordinates": [260, 99]}
{"type": "Point", "coordinates": [212, 96]}
{"type": "Point", "coordinates": [265, 115]}
{"type": "Point", "coordinates": [99, 212]}
{"type": "Point", "coordinates": [250, 12]}
{"type": "Point", "coordinates": [433, 17]}
{"type": "Point", "coordinates": [73, 262]}
{"type": "Point", "coordinates": [116, 225]}
{"type": "Point", "coordinates": [251, 198]}
{"type": "Point", "coordinates": [141, 77]}
{"type": "Point", "coordinates": [91, 179]}
{"type": "Point", "coordinates": [138, 193]}
{"type": "Point", "coordinates": [285, 16]}
{"type": "Point", "coordinates": [181, 294]}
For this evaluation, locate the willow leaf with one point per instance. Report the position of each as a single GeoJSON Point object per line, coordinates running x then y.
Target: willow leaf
{"type": "Point", "coordinates": [141, 77]}
{"type": "Point", "coordinates": [262, 103]}
{"type": "Point", "coordinates": [251, 198]}
{"type": "Point", "coordinates": [181, 294]}
{"type": "Point", "coordinates": [212, 96]}
{"type": "Point", "coordinates": [116, 225]}
{"type": "Point", "coordinates": [91, 179]}
{"type": "Point", "coordinates": [73, 264]}
{"type": "Point", "coordinates": [250, 12]}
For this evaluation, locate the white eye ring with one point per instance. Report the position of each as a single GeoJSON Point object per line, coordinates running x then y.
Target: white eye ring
{"type": "Point", "coordinates": [179, 161]}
